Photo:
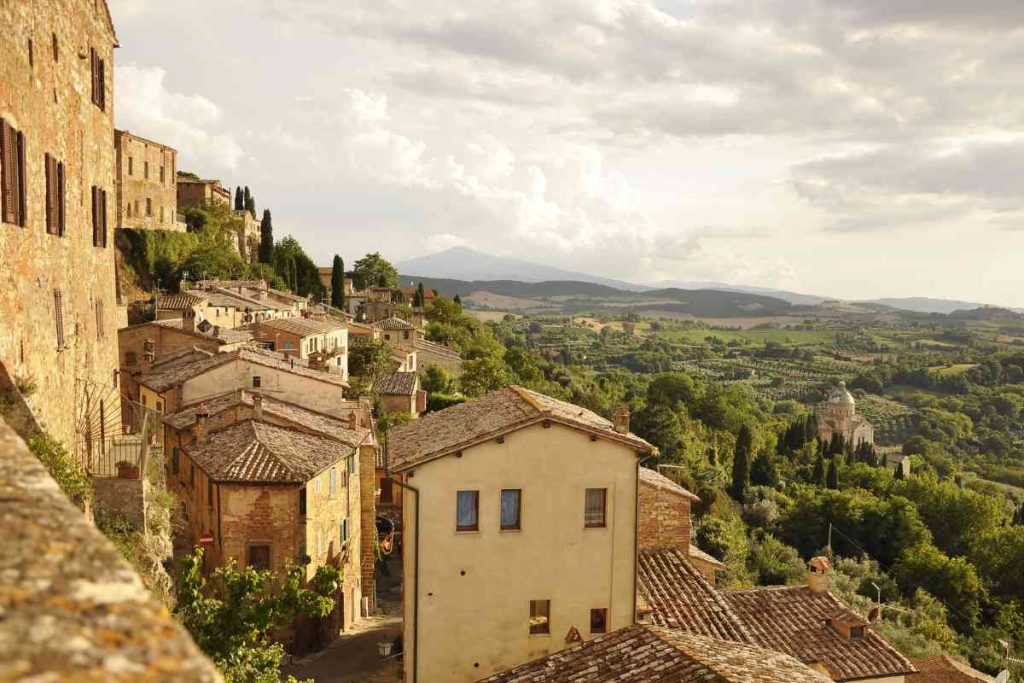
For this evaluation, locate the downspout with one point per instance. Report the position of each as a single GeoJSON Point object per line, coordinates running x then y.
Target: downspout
{"type": "Point", "coordinates": [416, 568]}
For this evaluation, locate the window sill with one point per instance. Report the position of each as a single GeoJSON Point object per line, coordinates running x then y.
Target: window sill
{"type": "Point", "coordinates": [511, 529]}
{"type": "Point", "coordinates": [467, 531]}
{"type": "Point", "coordinates": [541, 635]}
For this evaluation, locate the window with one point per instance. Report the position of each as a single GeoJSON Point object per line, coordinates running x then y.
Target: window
{"type": "Point", "coordinates": [99, 79]}
{"type": "Point", "coordinates": [58, 317]}
{"type": "Point", "coordinates": [344, 531]}
{"type": "Point", "coordinates": [594, 511]}
{"type": "Point", "coordinates": [56, 51]}
{"type": "Point", "coordinates": [856, 632]}
{"type": "Point", "coordinates": [467, 505]}
{"type": "Point", "coordinates": [259, 556]}
{"type": "Point", "coordinates": [599, 620]}
{"type": "Point", "coordinates": [54, 196]}
{"type": "Point", "coordinates": [350, 464]}
{"type": "Point", "coordinates": [135, 211]}
{"type": "Point", "coordinates": [159, 406]}
{"type": "Point", "coordinates": [540, 616]}
{"type": "Point", "coordinates": [209, 492]}
{"type": "Point", "coordinates": [130, 358]}
{"type": "Point", "coordinates": [510, 505]}
{"type": "Point", "coordinates": [332, 483]}
{"type": "Point", "coordinates": [131, 167]}
{"type": "Point", "coordinates": [192, 477]}
{"type": "Point", "coordinates": [316, 485]}
{"type": "Point", "coordinates": [99, 217]}
{"type": "Point", "coordinates": [302, 501]}
{"type": "Point", "coordinates": [145, 170]}
{"type": "Point", "coordinates": [101, 333]}
{"type": "Point", "coordinates": [31, 54]}
{"type": "Point", "coordinates": [149, 207]}
{"type": "Point", "coordinates": [162, 175]}
{"type": "Point", "coordinates": [128, 209]}
{"type": "Point", "coordinates": [289, 345]}
{"type": "Point", "coordinates": [257, 381]}
{"type": "Point", "coordinates": [175, 460]}
{"type": "Point", "coordinates": [12, 187]}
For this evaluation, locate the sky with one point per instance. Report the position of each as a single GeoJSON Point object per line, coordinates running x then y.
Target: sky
{"type": "Point", "coordinates": [847, 148]}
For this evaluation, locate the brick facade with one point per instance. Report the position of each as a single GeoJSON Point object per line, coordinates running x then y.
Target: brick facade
{"type": "Point", "coordinates": [57, 291]}
{"type": "Point", "coordinates": [147, 195]}
{"type": "Point", "coordinates": [664, 519]}
{"type": "Point", "coordinates": [196, 192]}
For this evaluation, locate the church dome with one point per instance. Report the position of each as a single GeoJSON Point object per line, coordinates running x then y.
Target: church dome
{"type": "Point", "coordinates": [840, 396]}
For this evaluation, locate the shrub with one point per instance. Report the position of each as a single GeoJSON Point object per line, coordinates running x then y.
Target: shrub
{"type": "Point", "coordinates": [66, 471]}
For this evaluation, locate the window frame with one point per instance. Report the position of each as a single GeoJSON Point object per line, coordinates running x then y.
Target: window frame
{"type": "Point", "coordinates": [518, 524]}
{"type": "Point", "coordinates": [541, 628]}
{"type": "Point", "coordinates": [475, 497]}
{"type": "Point", "coordinates": [257, 381]}
{"type": "Point", "coordinates": [13, 206]}
{"type": "Point", "coordinates": [249, 558]}
{"type": "Point", "coordinates": [587, 523]}
{"type": "Point", "coordinates": [602, 612]}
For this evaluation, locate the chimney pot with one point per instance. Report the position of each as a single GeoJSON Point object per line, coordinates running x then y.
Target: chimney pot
{"type": "Point", "coordinates": [620, 420]}
{"type": "Point", "coordinates": [818, 576]}
{"type": "Point", "coordinates": [257, 406]}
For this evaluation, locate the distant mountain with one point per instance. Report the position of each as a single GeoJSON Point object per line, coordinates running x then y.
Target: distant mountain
{"type": "Point", "coordinates": [792, 297]}
{"type": "Point", "coordinates": [924, 304]}
{"type": "Point", "coordinates": [463, 263]}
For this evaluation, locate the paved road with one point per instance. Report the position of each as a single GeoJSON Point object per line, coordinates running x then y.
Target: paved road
{"type": "Point", "coordinates": [353, 657]}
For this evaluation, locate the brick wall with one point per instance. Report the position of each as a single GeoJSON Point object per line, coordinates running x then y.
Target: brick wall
{"type": "Point", "coordinates": [368, 490]}
{"type": "Point", "coordinates": [49, 100]}
{"type": "Point", "coordinates": [145, 171]}
{"type": "Point", "coordinates": [664, 519]}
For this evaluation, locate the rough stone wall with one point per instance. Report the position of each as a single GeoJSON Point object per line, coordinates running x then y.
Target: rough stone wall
{"type": "Point", "coordinates": [368, 517]}
{"type": "Point", "coordinates": [664, 519]}
{"type": "Point", "coordinates": [708, 570]}
{"type": "Point", "coordinates": [132, 340]}
{"type": "Point", "coordinates": [50, 102]}
{"type": "Point", "coordinates": [192, 193]}
{"type": "Point", "coordinates": [124, 499]}
{"type": "Point", "coordinates": [260, 514]}
{"type": "Point", "coordinates": [83, 614]}
{"type": "Point", "coordinates": [134, 187]}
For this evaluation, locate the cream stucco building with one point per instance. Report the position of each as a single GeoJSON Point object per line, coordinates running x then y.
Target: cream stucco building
{"type": "Point", "coordinates": [520, 523]}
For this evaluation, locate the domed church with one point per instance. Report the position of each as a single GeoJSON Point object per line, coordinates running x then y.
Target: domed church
{"type": "Point", "coordinates": [839, 414]}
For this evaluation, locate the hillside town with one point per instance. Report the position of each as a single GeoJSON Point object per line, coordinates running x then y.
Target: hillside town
{"type": "Point", "coordinates": [222, 443]}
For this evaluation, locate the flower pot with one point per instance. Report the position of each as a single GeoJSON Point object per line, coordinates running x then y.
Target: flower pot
{"type": "Point", "coordinates": [127, 471]}
{"type": "Point", "coordinates": [384, 647]}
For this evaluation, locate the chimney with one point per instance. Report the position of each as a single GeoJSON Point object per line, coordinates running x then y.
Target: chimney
{"type": "Point", "coordinates": [202, 415]}
{"type": "Point", "coordinates": [353, 420]}
{"type": "Point", "coordinates": [620, 420]}
{"type": "Point", "coordinates": [188, 320]}
{"type": "Point", "coordinates": [257, 407]}
{"type": "Point", "coordinates": [818, 576]}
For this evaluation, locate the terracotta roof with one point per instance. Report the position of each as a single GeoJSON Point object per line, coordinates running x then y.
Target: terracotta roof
{"type": "Point", "coordinates": [178, 302]}
{"type": "Point", "coordinates": [302, 327]}
{"type": "Point", "coordinates": [397, 384]}
{"type": "Point", "coordinates": [658, 480]}
{"type": "Point", "coordinates": [445, 431]}
{"type": "Point", "coordinates": [433, 347]}
{"type": "Point", "coordinates": [639, 653]}
{"type": "Point", "coordinates": [794, 620]}
{"type": "Point", "coordinates": [257, 452]}
{"type": "Point", "coordinates": [242, 300]}
{"type": "Point", "coordinates": [180, 357]}
{"type": "Point", "coordinates": [225, 335]}
{"type": "Point", "coordinates": [393, 324]}
{"type": "Point", "coordinates": [943, 669]}
{"type": "Point", "coordinates": [680, 598]}
{"type": "Point", "coordinates": [164, 380]}
{"type": "Point", "coordinates": [355, 328]}
{"type": "Point", "coordinates": [302, 418]}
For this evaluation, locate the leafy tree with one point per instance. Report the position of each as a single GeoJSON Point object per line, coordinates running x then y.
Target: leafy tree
{"type": "Point", "coordinates": [266, 251]}
{"type": "Point", "coordinates": [763, 472]}
{"type": "Point", "coordinates": [233, 614]}
{"type": "Point", "coordinates": [298, 269]}
{"type": "Point", "coordinates": [832, 478]}
{"type": "Point", "coordinates": [373, 271]}
{"type": "Point", "coordinates": [660, 425]}
{"type": "Point", "coordinates": [435, 380]}
{"type": "Point", "coordinates": [741, 463]}
{"type": "Point", "coordinates": [484, 374]}
{"type": "Point", "coordinates": [772, 562]}
{"type": "Point", "coordinates": [370, 360]}
{"type": "Point", "coordinates": [953, 580]}
{"type": "Point", "coordinates": [338, 283]}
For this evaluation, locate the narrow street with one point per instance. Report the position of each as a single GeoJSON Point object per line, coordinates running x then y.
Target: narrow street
{"type": "Point", "coordinates": [354, 656]}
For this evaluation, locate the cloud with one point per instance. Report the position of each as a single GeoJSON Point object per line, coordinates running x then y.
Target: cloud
{"type": "Point", "coordinates": [189, 123]}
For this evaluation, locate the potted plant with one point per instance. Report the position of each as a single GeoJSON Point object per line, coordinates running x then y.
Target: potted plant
{"type": "Point", "coordinates": [127, 470]}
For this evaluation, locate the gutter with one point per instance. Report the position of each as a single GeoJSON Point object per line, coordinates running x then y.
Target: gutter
{"type": "Point", "coordinates": [416, 570]}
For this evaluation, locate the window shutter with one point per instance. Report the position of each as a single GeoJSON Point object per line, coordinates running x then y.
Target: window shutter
{"type": "Point", "coordinates": [7, 180]}
{"type": "Point", "coordinates": [60, 199]}
{"type": "Point", "coordinates": [20, 170]}
{"type": "Point", "coordinates": [103, 216]}
{"type": "Point", "coordinates": [100, 332]}
{"type": "Point", "coordinates": [103, 84]}
{"type": "Point", "coordinates": [95, 215]}
{"type": "Point", "coordinates": [93, 72]}
{"type": "Point", "coordinates": [51, 199]}
{"type": "Point", "coordinates": [58, 311]}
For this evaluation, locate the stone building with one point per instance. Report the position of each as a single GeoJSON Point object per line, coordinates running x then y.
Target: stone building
{"type": "Point", "coordinates": [198, 191]}
{"type": "Point", "coordinates": [839, 416]}
{"type": "Point", "coordinates": [400, 392]}
{"type": "Point", "coordinates": [58, 297]}
{"type": "Point", "coordinates": [519, 522]}
{"type": "Point", "coordinates": [325, 340]}
{"type": "Point", "coordinates": [147, 196]}
{"type": "Point", "coordinates": [397, 332]}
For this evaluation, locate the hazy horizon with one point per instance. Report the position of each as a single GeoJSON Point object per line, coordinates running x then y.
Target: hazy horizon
{"type": "Point", "coordinates": [852, 149]}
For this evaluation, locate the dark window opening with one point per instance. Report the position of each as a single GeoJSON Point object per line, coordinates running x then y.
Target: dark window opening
{"type": "Point", "coordinates": [54, 196]}
{"type": "Point", "coordinates": [540, 616]}
{"type": "Point", "coordinates": [259, 556]}
{"type": "Point", "coordinates": [302, 501]}
{"type": "Point", "coordinates": [599, 620]}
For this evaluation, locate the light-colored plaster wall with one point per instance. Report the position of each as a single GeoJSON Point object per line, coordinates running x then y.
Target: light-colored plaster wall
{"type": "Point", "coordinates": [279, 384]}
{"type": "Point", "coordinates": [475, 588]}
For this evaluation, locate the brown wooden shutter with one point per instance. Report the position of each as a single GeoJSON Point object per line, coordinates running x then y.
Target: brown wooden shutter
{"type": "Point", "coordinates": [102, 84]}
{"type": "Point", "coordinates": [103, 217]}
{"type": "Point", "coordinates": [58, 311]}
{"type": "Point", "coordinates": [7, 179]}
{"type": "Point", "coordinates": [93, 70]}
{"type": "Point", "coordinates": [51, 195]}
{"type": "Point", "coordinates": [60, 199]}
{"type": "Point", "coordinates": [19, 168]}
{"type": "Point", "coordinates": [95, 215]}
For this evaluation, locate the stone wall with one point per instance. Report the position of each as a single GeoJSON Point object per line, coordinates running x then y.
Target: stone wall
{"type": "Point", "coordinates": [121, 499]}
{"type": "Point", "coordinates": [47, 96]}
{"type": "Point", "coordinates": [368, 522]}
{"type": "Point", "coordinates": [664, 519]}
{"type": "Point", "coordinates": [147, 195]}
{"type": "Point", "coordinates": [83, 614]}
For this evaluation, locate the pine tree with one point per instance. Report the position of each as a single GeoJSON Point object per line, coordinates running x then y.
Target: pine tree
{"type": "Point", "coordinates": [266, 252]}
{"type": "Point", "coordinates": [763, 471]}
{"type": "Point", "coordinates": [741, 464]}
{"type": "Point", "coordinates": [239, 202]}
{"type": "Point", "coordinates": [832, 480]}
{"type": "Point", "coordinates": [338, 283]}
{"type": "Point", "coordinates": [819, 471]}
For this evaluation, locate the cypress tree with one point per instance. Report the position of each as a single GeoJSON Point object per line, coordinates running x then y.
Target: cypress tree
{"type": "Point", "coordinates": [421, 296]}
{"type": "Point", "coordinates": [458, 300]}
{"type": "Point", "coordinates": [819, 471]}
{"type": "Point", "coordinates": [835, 446]}
{"type": "Point", "coordinates": [246, 197]}
{"type": "Point", "coordinates": [763, 471]}
{"type": "Point", "coordinates": [239, 203]}
{"type": "Point", "coordinates": [741, 464]}
{"type": "Point", "coordinates": [712, 453]}
{"type": "Point", "coordinates": [266, 252]}
{"type": "Point", "coordinates": [810, 427]}
{"type": "Point", "coordinates": [898, 473]}
{"type": "Point", "coordinates": [832, 480]}
{"type": "Point", "coordinates": [338, 283]}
